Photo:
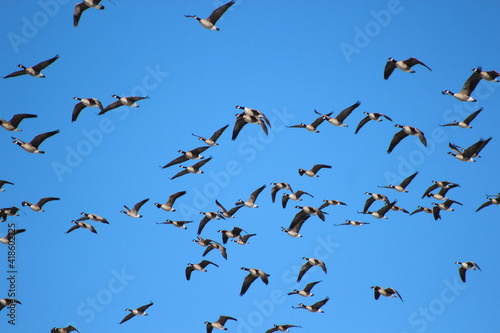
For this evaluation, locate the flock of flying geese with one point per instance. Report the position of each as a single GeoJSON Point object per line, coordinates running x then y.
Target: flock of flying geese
{"type": "Point", "coordinates": [253, 116]}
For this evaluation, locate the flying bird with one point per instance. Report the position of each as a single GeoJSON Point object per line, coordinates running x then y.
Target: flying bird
{"type": "Point", "coordinates": [209, 22]}
{"type": "Point", "coordinates": [214, 245]}
{"type": "Point", "coordinates": [442, 184]}
{"type": "Point", "coordinates": [312, 127]}
{"type": "Point", "coordinates": [277, 187]}
{"type": "Point", "coordinates": [195, 168]}
{"type": "Point", "coordinates": [187, 155]}
{"type": "Point", "coordinates": [242, 119]}
{"type": "Point", "coordinates": [402, 186]}
{"type": "Point", "coordinates": [443, 206]}
{"type": "Point", "coordinates": [253, 274]}
{"type": "Point", "coordinates": [82, 225]}
{"type": "Point", "coordinates": [243, 240]}
{"type": "Point", "coordinates": [372, 198]}
{"type": "Point", "coordinates": [83, 6]}
{"type": "Point", "coordinates": [208, 216]}
{"type": "Point", "coordinates": [313, 211]}
{"type": "Point", "coordinates": [327, 203]}
{"type": "Point", "coordinates": [219, 324]}
{"type": "Point", "coordinates": [306, 292]}
{"type": "Point", "coordinates": [198, 267]}
{"type": "Point", "coordinates": [387, 292]}
{"type": "Point", "coordinates": [466, 122]}
{"type": "Point", "coordinates": [296, 224]}
{"type": "Point", "coordinates": [487, 75]}
{"type": "Point", "coordinates": [316, 307]}
{"type": "Point", "coordinates": [32, 146]}
{"type": "Point", "coordinates": [464, 266]}
{"type": "Point", "coordinates": [294, 196]}
{"type": "Point", "coordinates": [93, 217]}
{"type": "Point", "coordinates": [35, 71]}
{"type": "Point", "coordinates": [135, 211]}
{"type": "Point", "coordinates": [464, 95]}
{"type": "Point", "coordinates": [492, 200]}
{"type": "Point", "coordinates": [227, 213]}
{"type": "Point", "coordinates": [212, 141]}
{"type": "Point", "coordinates": [403, 133]}
{"type": "Point", "coordinates": [168, 206]}
{"type": "Point", "coordinates": [251, 201]}
{"type": "Point", "coordinates": [308, 264]}
{"type": "Point", "coordinates": [466, 155]}
{"type": "Point", "coordinates": [10, 235]}
{"type": "Point", "coordinates": [2, 183]}
{"type": "Point", "coordinates": [13, 123]}
{"type": "Point", "coordinates": [380, 214]}
{"type": "Point", "coordinates": [314, 170]}
{"type": "Point", "coordinates": [404, 65]}
{"type": "Point", "coordinates": [140, 311]}
{"type": "Point", "coordinates": [353, 223]}
{"type": "Point", "coordinates": [178, 224]}
{"type": "Point", "coordinates": [66, 329]}
{"type": "Point", "coordinates": [7, 302]}
{"type": "Point", "coordinates": [281, 328]}
{"type": "Point", "coordinates": [339, 119]}
{"type": "Point", "coordinates": [370, 116]}
{"type": "Point", "coordinates": [128, 101]}
{"type": "Point", "coordinates": [84, 102]}
{"type": "Point", "coordinates": [38, 206]}
{"type": "Point", "coordinates": [254, 113]}
{"type": "Point", "coordinates": [226, 234]}
{"type": "Point", "coordinates": [422, 209]}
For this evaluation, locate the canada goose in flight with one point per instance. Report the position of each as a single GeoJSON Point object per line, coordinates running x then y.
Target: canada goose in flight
{"type": "Point", "coordinates": [487, 75]}
{"type": "Point", "coordinates": [399, 209]}
{"type": "Point", "coordinates": [93, 217]}
{"type": "Point", "coordinates": [140, 311]}
{"type": "Point", "coordinates": [387, 292]}
{"type": "Point", "coordinates": [464, 95]}
{"type": "Point", "coordinates": [195, 168]}
{"type": "Point", "coordinates": [84, 102]}
{"type": "Point", "coordinates": [243, 240]}
{"type": "Point", "coordinates": [491, 201]}
{"type": "Point", "coordinates": [404, 65]}
{"type": "Point", "coordinates": [212, 141]}
{"type": "Point", "coordinates": [277, 187]}
{"type": "Point", "coordinates": [442, 184]}
{"type": "Point", "coordinates": [354, 223]}
{"type": "Point", "coordinates": [312, 127]}
{"type": "Point", "coordinates": [8, 301]}
{"type": "Point", "coordinates": [339, 119]}
{"type": "Point", "coordinates": [226, 234]}
{"type": "Point", "coordinates": [214, 245]}
{"type": "Point", "coordinates": [168, 206]}
{"type": "Point", "coordinates": [316, 307]}
{"type": "Point", "coordinates": [128, 101]}
{"type": "Point", "coordinates": [308, 264]}
{"type": "Point", "coordinates": [11, 234]}
{"type": "Point", "coordinates": [135, 211]}
{"type": "Point", "coordinates": [380, 214]}
{"type": "Point", "coordinates": [403, 133]}
{"type": "Point", "coordinates": [208, 216]}
{"type": "Point", "coordinates": [253, 274]}
{"type": "Point", "coordinates": [32, 146]}
{"type": "Point", "coordinates": [313, 211]}
{"type": "Point", "coordinates": [209, 22]}
{"type": "Point", "coordinates": [11, 211]}
{"type": "Point", "coordinates": [202, 241]}
{"type": "Point", "coordinates": [370, 116]}
{"type": "Point", "coordinates": [402, 187]}
{"type": "Point", "coordinates": [466, 122]}
{"type": "Point", "coordinates": [297, 222]}
{"type": "Point", "coordinates": [422, 209]}
{"type": "Point", "coordinates": [242, 119]}
{"type": "Point", "coordinates": [466, 155]}
{"type": "Point", "coordinates": [198, 267]}
{"type": "Point", "coordinates": [281, 328]}
{"type": "Point", "coordinates": [187, 155]}
{"type": "Point", "coordinates": [219, 324]}
{"type": "Point", "coordinates": [178, 224]}
{"type": "Point", "coordinates": [464, 266]}
{"type": "Point", "coordinates": [35, 71]}
{"type": "Point", "coordinates": [331, 203]}
{"type": "Point", "coordinates": [251, 201]}
{"type": "Point", "coordinates": [314, 170]}
{"type": "Point", "coordinates": [294, 196]}
{"type": "Point", "coordinates": [83, 6]}
{"type": "Point", "coordinates": [443, 206]}
{"type": "Point", "coordinates": [306, 292]}
{"type": "Point", "coordinates": [13, 123]}
{"type": "Point", "coordinates": [441, 195]}
{"type": "Point", "coordinates": [227, 213]}
{"type": "Point", "coordinates": [372, 198]}
{"type": "Point", "coordinates": [255, 113]}
{"type": "Point", "coordinates": [66, 329]}
{"type": "Point", "coordinates": [82, 225]}
{"type": "Point", "coordinates": [2, 183]}
{"type": "Point", "coordinates": [38, 206]}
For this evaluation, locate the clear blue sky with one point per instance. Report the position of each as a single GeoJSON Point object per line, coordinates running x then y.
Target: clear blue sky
{"type": "Point", "coordinates": [286, 59]}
